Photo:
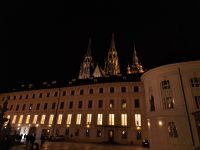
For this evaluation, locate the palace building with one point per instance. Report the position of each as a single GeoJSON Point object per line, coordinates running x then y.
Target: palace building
{"type": "Point", "coordinates": [104, 105]}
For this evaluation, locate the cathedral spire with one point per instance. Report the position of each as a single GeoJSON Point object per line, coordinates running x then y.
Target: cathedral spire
{"type": "Point", "coordinates": [89, 53]}
{"type": "Point", "coordinates": [112, 44]}
{"type": "Point", "coordinates": [135, 58]}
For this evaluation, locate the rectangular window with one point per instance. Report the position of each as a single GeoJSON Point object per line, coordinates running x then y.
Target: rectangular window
{"type": "Point", "coordinates": [35, 119]}
{"type": "Point", "coordinates": [48, 94]}
{"type": "Point", "coordinates": [123, 89]}
{"type": "Point", "coordinates": [11, 107]}
{"type": "Point", "coordinates": [136, 89]}
{"type": "Point", "coordinates": [91, 91]}
{"type": "Point", "coordinates": [72, 92]}
{"type": "Point", "coordinates": [124, 119]}
{"type": "Point", "coordinates": [53, 106]}
{"type": "Point", "coordinates": [28, 119]}
{"type": "Point", "coordinates": [111, 104]}
{"type": "Point", "coordinates": [78, 119]}
{"type": "Point", "coordinates": [81, 92]}
{"type": "Point", "coordinates": [137, 103]}
{"type": "Point", "coordinates": [123, 104]}
{"type": "Point", "coordinates": [40, 95]}
{"type": "Point", "coordinates": [59, 121]}
{"type": "Point", "coordinates": [90, 104]}
{"type": "Point", "coordinates": [64, 93]}
{"type": "Point", "coordinates": [112, 90]}
{"type": "Point", "coordinates": [30, 106]}
{"type": "Point", "coordinates": [168, 102]}
{"type": "Point", "coordinates": [100, 103]}
{"type": "Point", "coordinates": [80, 103]}
{"type": "Point", "coordinates": [101, 90]}
{"type": "Point", "coordinates": [55, 94]}
{"type": "Point", "coordinates": [137, 120]}
{"type": "Point", "coordinates": [100, 119]}
{"type": "Point", "coordinates": [26, 96]}
{"type": "Point", "coordinates": [17, 107]}
{"type": "Point", "coordinates": [69, 119]}
{"type": "Point", "coordinates": [24, 106]}
{"type": "Point", "coordinates": [172, 130]}
{"type": "Point", "coordinates": [45, 106]}
{"type": "Point", "coordinates": [33, 96]}
{"type": "Point", "coordinates": [20, 119]}
{"type": "Point", "coordinates": [14, 119]}
{"type": "Point", "coordinates": [99, 134]}
{"type": "Point", "coordinates": [38, 106]}
{"type": "Point", "coordinates": [20, 97]}
{"type": "Point", "coordinates": [89, 119]}
{"type": "Point", "coordinates": [61, 105]}
{"type": "Point", "coordinates": [70, 105]}
{"type": "Point", "coordinates": [43, 119]}
{"type": "Point", "coordinates": [51, 117]}
{"type": "Point", "coordinates": [152, 105]}
{"type": "Point", "coordinates": [14, 98]}
{"type": "Point", "coordinates": [111, 121]}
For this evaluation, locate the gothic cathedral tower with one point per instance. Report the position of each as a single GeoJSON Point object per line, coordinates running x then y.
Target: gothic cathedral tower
{"type": "Point", "coordinates": [87, 65]}
{"type": "Point", "coordinates": [111, 63]}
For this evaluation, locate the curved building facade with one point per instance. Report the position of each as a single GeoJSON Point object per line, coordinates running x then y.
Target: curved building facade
{"type": "Point", "coordinates": [172, 94]}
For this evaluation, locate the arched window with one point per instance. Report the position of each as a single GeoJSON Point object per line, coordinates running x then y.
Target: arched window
{"type": "Point", "coordinates": [152, 105]}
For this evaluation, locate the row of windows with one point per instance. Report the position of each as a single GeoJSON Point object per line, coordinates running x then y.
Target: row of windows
{"type": "Point", "coordinates": [36, 119]}
{"type": "Point", "coordinates": [91, 91]}
{"type": "Point", "coordinates": [71, 105]}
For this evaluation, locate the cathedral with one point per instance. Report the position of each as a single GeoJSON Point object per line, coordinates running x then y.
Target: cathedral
{"type": "Point", "coordinates": [104, 105]}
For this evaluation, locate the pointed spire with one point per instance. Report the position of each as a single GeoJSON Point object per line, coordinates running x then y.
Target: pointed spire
{"type": "Point", "coordinates": [135, 58]}
{"type": "Point", "coordinates": [112, 45]}
{"type": "Point", "coordinates": [89, 53]}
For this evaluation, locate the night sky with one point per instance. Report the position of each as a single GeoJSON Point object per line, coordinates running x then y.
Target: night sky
{"type": "Point", "coordinates": [44, 41]}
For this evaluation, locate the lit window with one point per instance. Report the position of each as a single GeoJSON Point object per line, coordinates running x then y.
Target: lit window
{"type": "Point", "coordinates": [20, 119]}
{"type": "Point", "coordinates": [111, 104]}
{"type": "Point", "coordinates": [59, 121]}
{"type": "Point", "coordinates": [165, 85]}
{"type": "Point", "coordinates": [99, 133]}
{"type": "Point", "coordinates": [123, 104]}
{"type": "Point", "coordinates": [168, 102]}
{"type": "Point", "coordinates": [137, 120]}
{"type": "Point", "coordinates": [28, 119]}
{"type": "Point", "coordinates": [89, 119]}
{"type": "Point", "coordinates": [195, 82]}
{"type": "Point", "coordinates": [78, 119]}
{"type": "Point", "coordinates": [14, 119]}
{"type": "Point", "coordinates": [87, 133]}
{"type": "Point", "coordinates": [30, 107]}
{"type": "Point", "coordinates": [43, 119]}
{"type": "Point", "coordinates": [172, 130]}
{"type": "Point", "coordinates": [35, 119]}
{"type": "Point", "coordinates": [100, 119]}
{"type": "Point", "coordinates": [124, 134]}
{"type": "Point", "coordinates": [111, 119]}
{"type": "Point", "coordinates": [124, 119]}
{"type": "Point", "coordinates": [69, 119]}
{"type": "Point", "coordinates": [51, 119]}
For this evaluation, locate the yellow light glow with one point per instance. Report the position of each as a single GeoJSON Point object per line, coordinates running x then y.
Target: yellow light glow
{"type": "Point", "coordinates": [138, 128]}
{"type": "Point", "coordinates": [19, 125]}
{"type": "Point", "coordinates": [160, 123]}
{"type": "Point", "coordinates": [37, 125]}
{"type": "Point", "coordinates": [49, 125]}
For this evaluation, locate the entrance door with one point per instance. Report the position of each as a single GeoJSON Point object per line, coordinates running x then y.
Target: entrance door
{"type": "Point", "coordinates": [110, 136]}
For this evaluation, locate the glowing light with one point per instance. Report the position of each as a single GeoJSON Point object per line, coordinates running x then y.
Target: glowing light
{"type": "Point", "coordinates": [160, 123]}
{"type": "Point", "coordinates": [138, 128]}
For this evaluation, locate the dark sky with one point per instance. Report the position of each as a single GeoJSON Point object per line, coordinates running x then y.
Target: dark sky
{"type": "Point", "coordinates": [42, 41]}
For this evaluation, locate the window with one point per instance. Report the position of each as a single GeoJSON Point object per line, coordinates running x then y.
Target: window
{"type": "Point", "coordinates": [111, 121]}
{"type": "Point", "coordinates": [137, 120]}
{"type": "Point", "coordinates": [137, 103]}
{"type": "Point", "coordinates": [69, 119]}
{"type": "Point", "coordinates": [72, 92]}
{"type": "Point", "coordinates": [61, 105]}
{"type": "Point", "coordinates": [152, 106]}
{"type": "Point", "coordinates": [40, 95]}
{"type": "Point", "coordinates": [53, 106]}
{"type": "Point", "coordinates": [195, 82]}
{"type": "Point", "coordinates": [111, 104]}
{"type": "Point", "coordinates": [20, 119]}
{"type": "Point", "coordinates": [139, 135]}
{"type": "Point", "coordinates": [24, 106]}
{"type": "Point", "coordinates": [89, 119]}
{"type": "Point", "coordinates": [30, 106]}
{"type": "Point", "coordinates": [51, 117]}
{"type": "Point", "coordinates": [17, 107]}
{"type": "Point", "coordinates": [136, 89]}
{"type": "Point", "coordinates": [14, 119]}
{"type": "Point", "coordinates": [26, 96]}
{"type": "Point", "coordinates": [64, 93]}
{"type": "Point", "coordinates": [14, 98]}
{"type": "Point", "coordinates": [168, 102]}
{"type": "Point", "coordinates": [172, 130]}
{"type": "Point", "coordinates": [165, 85]}
{"type": "Point", "coordinates": [11, 107]}
{"type": "Point", "coordinates": [67, 132]}
{"type": "Point", "coordinates": [59, 121]}
{"type": "Point", "coordinates": [124, 134]}
{"type": "Point", "coordinates": [55, 94]}
{"type": "Point", "coordinates": [100, 103]}
{"type": "Point", "coordinates": [112, 90]}
{"type": "Point", "coordinates": [70, 105]}
{"type": "Point", "coordinates": [20, 97]}
{"type": "Point", "coordinates": [99, 134]}
{"type": "Point", "coordinates": [38, 106]}
{"type": "Point", "coordinates": [81, 92]}
{"type": "Point", "coordinates": [197, 101]}
{"type": "Point", "coordinates": [78, 119]}
{"type": "Point", "coordinates": [123, 89]}
{"type": "Point", "coordinates": [99, 119]}
{"type": "Point", "coordinates": [33, 96]}
{"type": "Point", "coordinates": [35, 119]}
{"type": "Point", "coordinates": [42, 119]}
{"type": "Point", "coordinates": [45, 106]}
{"type": "Point", "coordinates": [91, 91]}
{"type": "Point", "coordinates": [101, 90]}
{"type": "Point", "coordinates": [48, 94]}
{"type": "Point", "coordinates": [90, 104]}
{"type": "Point", "coordinates": [77, 132]}
{"type": "Point", "coordinates": [87, 132]}
{"type": "Point", "coordinates": [124, 119]}
{"type": "Point", "coordinates": [80, 103]}
{"type": "Point", "coordinates": [28, 119]}
{"type": "Point", "coordinates": [123, 104]}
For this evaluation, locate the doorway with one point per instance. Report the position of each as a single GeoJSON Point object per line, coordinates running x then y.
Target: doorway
{"type": "Point", "coordinates": [110, 135]}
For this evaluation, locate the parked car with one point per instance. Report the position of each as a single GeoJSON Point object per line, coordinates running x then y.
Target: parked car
{"type": "Point", "coordinates": [145, 143]}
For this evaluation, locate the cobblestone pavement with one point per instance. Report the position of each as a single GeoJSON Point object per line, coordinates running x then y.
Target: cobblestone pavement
{"type": "Point", "coordinates": [80, 146]}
